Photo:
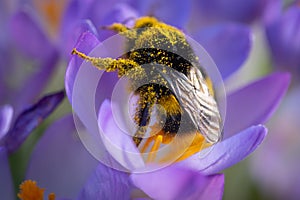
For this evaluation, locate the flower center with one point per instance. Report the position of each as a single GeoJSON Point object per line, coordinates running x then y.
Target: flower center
{"type": "Point", "coordinates": [30, 191]}
{"type": "Point", "coordinates": [164, 148]}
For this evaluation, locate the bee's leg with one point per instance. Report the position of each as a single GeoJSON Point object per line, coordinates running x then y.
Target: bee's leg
{"type": "Point", "coordinates": [124, 66]}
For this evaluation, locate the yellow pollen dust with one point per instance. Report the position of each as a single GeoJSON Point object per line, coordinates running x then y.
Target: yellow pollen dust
{"type": "Point", "coordinates": [170, 104]}
{"type": "Point", "coordinates": [30, 191]}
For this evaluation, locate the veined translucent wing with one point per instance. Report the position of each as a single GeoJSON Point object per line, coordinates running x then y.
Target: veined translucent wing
{"type": "Point", "coordinates": [193, 94]}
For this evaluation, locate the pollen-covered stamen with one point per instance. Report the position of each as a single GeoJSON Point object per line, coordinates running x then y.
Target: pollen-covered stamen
{"type": "Point", "coordinates": [180, 147]}
{"type": "Point", "coordinates": [30, 191]}
{"type": "Point", "coordinates": [146, 145]}
{"type": "Point", "coordinates": [197, 144]}
{"type": "Point", "coordinates": [157, 142]}
{"type": "Point", "coordinates": [51, 196]}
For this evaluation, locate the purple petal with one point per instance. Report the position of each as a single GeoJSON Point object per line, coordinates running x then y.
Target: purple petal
{"type": "Point", "coordinates": [6, 183]}
{"type": "Point", "coordinates": [228, 152]}
{"type": "Point", "coordinates": [35, 82]}
{"type": "Point", "coordinates": [74, 31]}
{"type": "Point", "coordinates": [29, 36]}
{"type": "Point", "coordinates": [94, 10]}
{"type": "Point", "coordinates": [179, 183]}
{"type": "Point", "coordinates": [255, 103]}
{"type": "Point", "coordinates": [227, 44]}
{"type": "Point", "coordinates": [120, 13]}
{"type": "Point", "coordinates": [6, 114]}
{"type": "Point", "coordinates": [283, 36]}
{"type": "Point", "coordinates": [214, 189]}
{"type": "Point", "coordinates": [5, 71]}
{"type": "Point", "coordinates": [59, 162]}
{"type": "Point", "coordinates": [99, 9]}
{"type": "Point", "coordinates": [106, 183]}
{"type": "Point", "coordinates": [29, 119]}
{"type": "Point", "coordinates": [175, 13]}
{"type": "Point", "coordinates": [281, 151]}
{"type": "Point", "coordinates": [117, 141]}
{"type": "Point", "coordinates": [87, 87]}
{"type": "Point", "coordinates": [73, 12]}
{"type": "Point", "coordinates": [232, 10]}
{"type": "Point", "coordinates": [85, 44]}
{"type": "Point", "coordinates": [272, 11]}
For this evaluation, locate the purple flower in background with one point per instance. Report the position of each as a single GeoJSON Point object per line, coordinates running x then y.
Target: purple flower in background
{"type": "Point", "coordinates": [29, 119]}
{"type": "Point", "coordinates": [6, 183]}
{"type": "Point", "coordinates": [283, 36]}
{"type": "Point", "coordinates": [28, 60]}
{"type": "Point", "coordinates": [12, 135]}
{"type": "Point", "coordinates": [280, 179]}
{"type": "Point", "coordinates": [248, 11]}
{"type": "Point", "coordinates": [198, 13]}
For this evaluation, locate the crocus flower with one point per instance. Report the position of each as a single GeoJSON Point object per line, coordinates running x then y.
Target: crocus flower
{"type": "Point", "coordinates": [25, 71]}
{"type": "Point", "coordinates": [242, 130]}
{"type": "Point", "coordinates": [281, 152]}
{"type": "Point", "coordinates": [70, 172]}
{"type": "Point", "coordinates": [29, 119]}
{"type": "Point", "coordinates": [283, 36]}
{"type": "Point", "coordinates": [23, 59]}
{"type": "Point", "coordinates": [6, 184]}
{"type": "Point", "coordinates": [12, 135]}
{"type": "Point", "coordinates": [232, 10]}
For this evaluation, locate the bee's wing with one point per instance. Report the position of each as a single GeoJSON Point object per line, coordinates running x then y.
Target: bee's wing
{"type": "Point", "coordinates": [193, 95]}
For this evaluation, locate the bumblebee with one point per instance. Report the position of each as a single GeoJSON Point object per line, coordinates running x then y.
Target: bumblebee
{"type": "Point", "coordinates": [172, 79]}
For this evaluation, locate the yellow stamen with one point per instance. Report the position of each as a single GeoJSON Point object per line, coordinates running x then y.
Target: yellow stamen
{"type": "Point", "coordinates": [157, 142]}
{"type": "Point", "coordinates": [146, 145]}
{"type": "Point", "coordinates": [179, 149]}
{"type": "Point", "coordinates": [30, 191]}
{"type": "Point", "coordinates": [51, 196]}
{"type": "Point", "coordinates": [197, 145]}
